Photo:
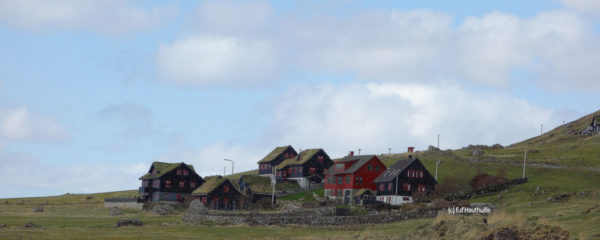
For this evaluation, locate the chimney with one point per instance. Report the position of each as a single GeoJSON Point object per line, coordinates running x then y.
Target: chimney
{"type": "Point", "coordinates": [351, 153]}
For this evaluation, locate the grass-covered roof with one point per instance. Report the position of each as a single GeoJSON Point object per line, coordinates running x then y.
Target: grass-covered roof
{"type": "Point", "coordinates": [163, 168]}
{"type": "Point", "coordinates": [212, 182]}
{"type": "Point", "coordinates": [273, 154]}
{"type": "Point", "coordinates": [259, 184]}
{"type": "Point", "coordinates": [300, 159]}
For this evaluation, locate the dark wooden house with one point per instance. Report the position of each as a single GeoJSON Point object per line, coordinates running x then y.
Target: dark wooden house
{"type": "Point", "coordinates": [274, 158]}
{"type": "Point", "coordinates": [365, 196]}
{"type": "Point", "coordinates": [401, 180]}
{"type": "Point", "coordinates": [169, 182]}
{"type": "Point", "coordinates": [220, 193]}
{"type": "Point", "coordinates": [257, 188]}
{"type": "Point", "coordinates": [306, 168]}
{"type": "Point", "coordinates": [350, 174]}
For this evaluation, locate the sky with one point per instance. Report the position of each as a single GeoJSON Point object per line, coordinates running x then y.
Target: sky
{"type": "Point", "coordinates": [92, 92]}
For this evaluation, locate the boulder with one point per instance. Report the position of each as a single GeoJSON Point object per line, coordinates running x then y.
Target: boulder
{"type": "Point", "coordinates": [31, 225]}
{"type": "Point", "coordinates": [129, 222]}
{"type": "Point", "coordinates": [2, 225]}
{"type": "Point", "coordinates": [476, 152]}
{"type": "Point", "coordinates": [39, 209]}
{"type": "Point", "coordinates": [162, 210]}
{"type": "Point", "coordinates": [115, 211]}
{"type": "Point", "coordinates": [197, 207]}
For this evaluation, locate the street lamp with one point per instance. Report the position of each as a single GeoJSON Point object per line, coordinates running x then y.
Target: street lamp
{"type": "Point", "coordinates": [232, 164]}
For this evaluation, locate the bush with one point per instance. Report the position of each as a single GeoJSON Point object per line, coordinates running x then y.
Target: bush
{"type": "Point", "coordinates": [420, 197]}
{"type": "Point", "coordinates": [484, 180]}
{"type": "Point", "coordinates": [452, 187]}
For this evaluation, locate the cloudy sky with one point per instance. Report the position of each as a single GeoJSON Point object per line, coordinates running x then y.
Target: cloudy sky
{"type": "Point", "coordinates": [92, 92]}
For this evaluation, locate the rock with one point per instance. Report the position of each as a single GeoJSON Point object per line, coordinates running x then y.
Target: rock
{"type": "Point", "coordinates": [551, 200]}
{"type": "Point", "coordinates": [162, 210]}
{"type": "Point", "coordinates": [477, 152]}
{"type": "Point", "coordinates": [290, 208]}
{"type": "Point", "coordinates": [500, 197]}
{"type": "Point", "coordinates": [197, 207]}
{"type": "Point", "coordinates": [530, 204]}
{"type": "Point", "coordinates": [504, 204]}
{"type": "Point", "coordinates": [115, 211]}
{"type": "Point", "coordinates": [31, 225]}
{"type": "Point", "coordinates": [533, 151]}
{"type": "Point", "coordinates": [129, 222]}
{"type": "Point", "coordinates": [497, 146]}
{"type": "Point", "coordinates": [537, 190]}
{"type": "Point", "coordinates": [432, 149]}
{"type": "Point", "coordinates": [39, 209]}
{"type": "Point", "coordinates": [2, 225]}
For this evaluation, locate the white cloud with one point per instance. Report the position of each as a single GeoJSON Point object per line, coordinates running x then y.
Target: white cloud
{"type": "Point", "coordinates": [203, 60]}
{"type": "Point", "coordinates": [20, 124]}
{"type": "Point", "coordinates": [18, 181]}
{"type": "Point", "coordinates": [106, 16]}
{"type": "Point", "coordinates": [374, 117]}
{"type": "Point", "coordinates": [209, 159]}
{"type": "Point", "coordinates": [585, 6]}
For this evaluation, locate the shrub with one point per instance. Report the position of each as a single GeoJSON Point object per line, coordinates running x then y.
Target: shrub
{"type": "Point", "coordinates": [452, 187]}
{"type": "Point", "coordinates": [484, 180]}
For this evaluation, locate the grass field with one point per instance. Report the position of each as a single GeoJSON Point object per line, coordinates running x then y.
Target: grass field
{"type": "Point", "coordinates": [82, 216]}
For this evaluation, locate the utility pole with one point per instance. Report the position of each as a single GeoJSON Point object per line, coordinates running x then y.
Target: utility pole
{"type": "Point", "coordinates": [232, 164]}
{"type": "Point", "coordinates": [541, 129]}
{"type": "Point", "coordinates": [389, 151]}
{"type": "Point", "coordinates": [436, 168]}
{"type": "Point", "coordinates": [273, 182]}
{"type": "Point", "coordinates": [524, 163]}
{"type": "Point", "coordinates": [224, 171]}
{"type": "Point", "coordinates": [359, 152]}
{"type": "Point", "coordinates": [438, 146]}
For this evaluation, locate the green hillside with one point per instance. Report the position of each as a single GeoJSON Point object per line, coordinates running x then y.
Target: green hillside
{"type": "Point", "coordinates": [560, 162]}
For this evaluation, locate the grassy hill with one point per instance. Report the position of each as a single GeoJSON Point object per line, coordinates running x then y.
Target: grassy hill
{"type": "Point", "coordinates": [559, 163]}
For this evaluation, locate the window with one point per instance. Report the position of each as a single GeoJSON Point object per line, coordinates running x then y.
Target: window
{"type": "Point", "coordinates": [312, 170]}
{"type": "Point", "coordinates": [406, 187]}
{"type": "Point", "coordinates": [156, 183]}
{"type": "Point", "coordinates": [377, 168]}
{"type": "Point", "coordinates": [327, 192]}
{"type": "Point", "coordinates": [339, 192]}
{"type": "Point", "coordinates": [179, 172]}
{"type": "Point", "coordinates": [422, 188]}
{"type": "Point", "coordinates": [204, 200]}
{"type": "Point", "coordinates": [405, 199]}
{"type": "Point", "coordinates": [279, 173]}
{"type": "Point", "coordinates": [370, 168]}
{"type": "Point", "coordinates": [192, 184]}
{"type": "Point", "coordinates": [285, 155]}
{"type": "Point", "coordinates": [320, 159]}
{"type": "Point", "coordinates": [356, 180]}
{"type": "Point", "coordinates": [348, 179]}
{"type": "Point", "coordinates": [381, 186]}
{"type": "Point", "coordinates": [421, 174]}
{"type": "Point", "coordinates": [144, 183]}
{"type": "Point", "coordinates": [168, 183]}
{"type": "Point", "coordinates": [330, 179]}
{"type": "Point", "coordinates": [339, 166]}
{"type": "Point", "coordinates": [225, 188]}
{"type": "Point", "coordinates": [360, 181]}
{"type": "Point", "coordinates": [181, 184]}
{"type": "Point", "coordinates": [340, 180]}
{"type": "Point", "coordinates": [186, 172]}
{"type": "Point", "coordinates": [289, 170]}
{"type": "Point", "coordinates": [390, 186]}
{"type": "Point", "coordinates": [408, 173]}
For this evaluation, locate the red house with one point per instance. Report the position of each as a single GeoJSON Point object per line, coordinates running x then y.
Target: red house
{"type": "Point", "coordinates": [350, 174]}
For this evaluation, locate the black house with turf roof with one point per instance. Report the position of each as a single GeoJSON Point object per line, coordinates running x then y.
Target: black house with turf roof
{"type": "Point", "coordinates": [274, 158]}
{"type": "Point", "coordinates": [399, 182]}
{"type": "Point", "coordinates": [256, 187]}
{"type": "Point", "coordinates": [306, 168]}
{"type": "Point", "coordinates": [220, 193]}
{"type": "Point", "coordinates": [169, 182]}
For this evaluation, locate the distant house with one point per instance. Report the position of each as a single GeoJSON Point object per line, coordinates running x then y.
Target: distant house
{"type": "Point", "coordinates": [274, 158]}
{"type": "Point", "coordinates": [306, 168]}
{"type": "Point", "coordinates": [397, 184]}
{"type": "Point", "coordinates": [350, 174]}
{"type": "Point", "coordinates": [219, 193]}
{"type": "Point", "coordinates": [169, 182]}
{"type": "Point", "coordinates": [256, 187]}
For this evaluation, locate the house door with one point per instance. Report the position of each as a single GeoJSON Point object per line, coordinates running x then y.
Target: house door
{"type": "Point", "coordinates": [347, 196]}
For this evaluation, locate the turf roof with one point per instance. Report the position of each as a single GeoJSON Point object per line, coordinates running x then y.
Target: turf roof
{"type": "Point", "coordinates": [212, 182]}
{"type": "Point", "coordinates": [300, 159]}
{"type": "Point", "coordinates": [273, 154]}
{"type": "Point", "coordinates": [163, 168]}
{"type": "Point", "coordinates": [363, 191]}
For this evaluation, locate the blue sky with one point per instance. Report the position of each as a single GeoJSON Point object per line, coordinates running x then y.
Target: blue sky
{"type": "Point", "coordinates": [91, 92]}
